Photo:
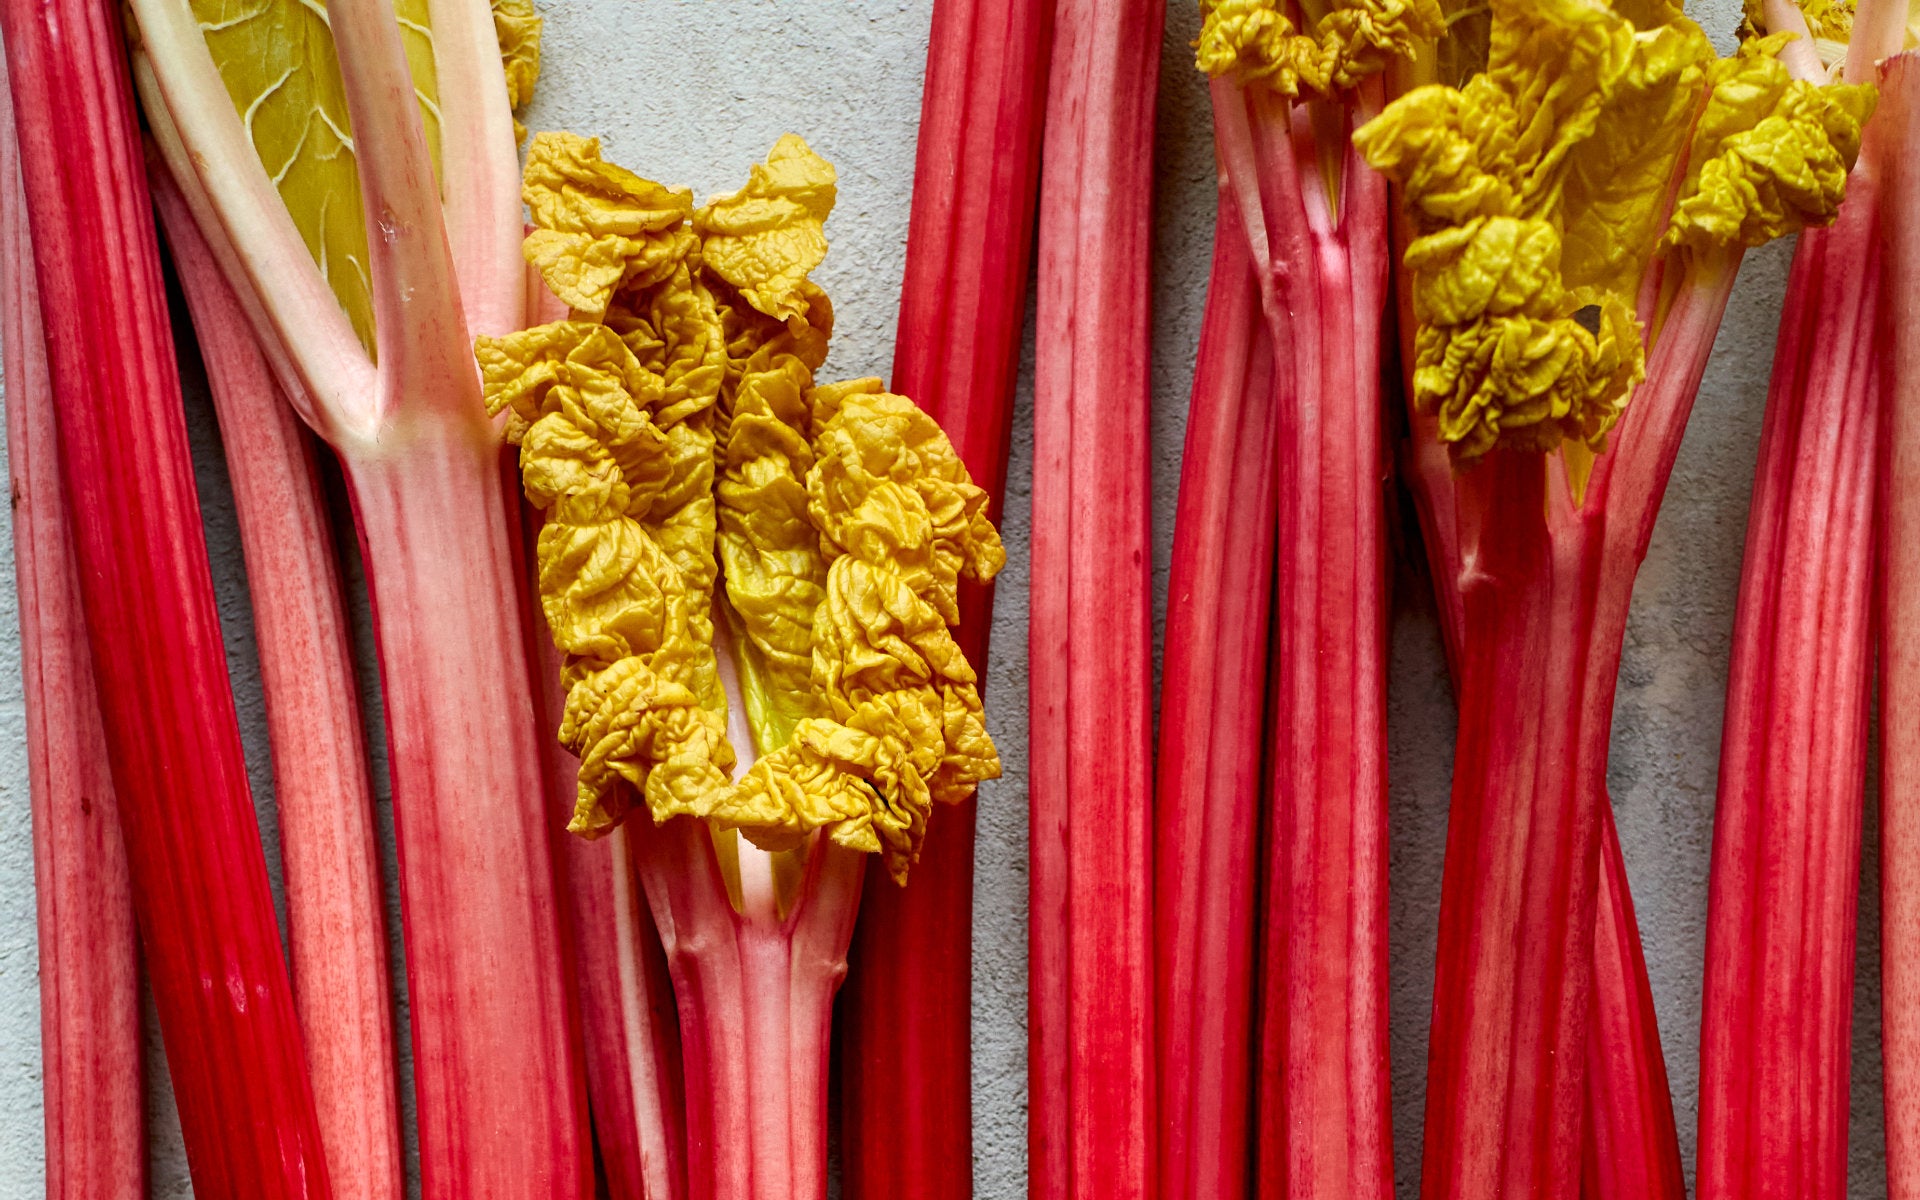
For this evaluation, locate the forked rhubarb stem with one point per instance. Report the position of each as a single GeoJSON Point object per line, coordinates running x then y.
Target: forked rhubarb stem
{"type": "Point", "coordinates": [322, 790]}
{"type": "Point", "coordinates": [498, 1070]}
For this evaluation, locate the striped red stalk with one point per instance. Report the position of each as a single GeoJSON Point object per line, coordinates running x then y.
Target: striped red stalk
{"type": "Point", "coordinates": [199, 877]}
{"type": "Point", "coordinates": [90, 1049]}
{"type": "Point", "coordinates": [499, 1080]}
{"type": "Point", "coordinates": [1898, 119]}
{"type": "Point", "coordinates": [1322, 1093]}
{"type": "Point", "coordinates": [1775, 1044]}
{"type": "Point", "coordinates": [1091, 1103]}
{"type": "Point", "coordinates": [905, 1027]}
{"type": "Point", "coordinates": [1213, 722]}
{"type": "Point", "coordinates": [321, 787]}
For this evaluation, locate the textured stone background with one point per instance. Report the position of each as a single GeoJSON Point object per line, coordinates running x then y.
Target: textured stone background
{"type": "Point", "coordinates": [690, 92]}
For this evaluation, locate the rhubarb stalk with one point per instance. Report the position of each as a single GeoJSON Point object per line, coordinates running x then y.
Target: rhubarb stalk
{"type": "Point", "coordinates": [1548, 544]}
{"type": "Point", "coordinates": [199, 878]}
{"type": "Point", "coordinates": [1091, 1098]}
{"type": "Point", "coordinates": [1213, 722]}
{"type": "Point", "coordinates": [1775, 1045]}
{"type": "Point", "coordinates": [90, 1047]}
{"type": "Point", "coordinates": [1315, 214]}
{"type": "Point", "coordinates": [905, 1024]}
{"type": "Point", "coordinates": [498, 1077]}
{"type": "Point", "coordinates": [1899, 133]}
{"type": "Point", "coordinates": [321, 786]}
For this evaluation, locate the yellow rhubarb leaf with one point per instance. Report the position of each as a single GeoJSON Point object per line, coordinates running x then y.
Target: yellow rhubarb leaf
{"type": "Point", "coordinates": [764, 239]}
{"type": "Point", "coordinates": [1257, 41]}
{"type": "Point", "coordinates": [617, 489]}
{"type": "Point", "coordinates": [516, 26]}
{"type": "Point", "coordinates": [1770, 153]}
{"type": "Point", "coordinates": [599, 227]}
{"type": "Point", "coordinates": [280, 68]}
{"type": "Point", "coordinates": [1535, 191]}
{"type": "Point", "coordinates": [676, 441]}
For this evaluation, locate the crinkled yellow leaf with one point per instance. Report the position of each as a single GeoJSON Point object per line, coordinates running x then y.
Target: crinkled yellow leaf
{"type": "Point", "coordinates": [895, 509]}
{"type": "Point", "coordinates": [278, 61]}
{"type": "Point", "coordinates": [1257, 41]}
{"type": "Point", "coordinates": [685, 428]}
{"type": "Point", "coordinates": [516, 26]}
{"type": "Point", "coordinates": [624, 475]}
{"type": "Point", "coordinates": [766, 237]}
{"type": "Point", "coordinates": [1537, 189]}
{"type": "Point", "coordinates": [1770, 153]}
{"type": "Point", "coordinates": [599, 227]}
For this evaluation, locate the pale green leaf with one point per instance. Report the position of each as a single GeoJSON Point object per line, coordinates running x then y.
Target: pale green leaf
{"type": "Point", "coordinates": [278, 61]}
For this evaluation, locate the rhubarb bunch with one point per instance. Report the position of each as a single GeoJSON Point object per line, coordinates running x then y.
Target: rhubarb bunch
{"type": "Point", "coordinates": [1578, 208]}
{"type": "Point", "coordinates": [751, 579]}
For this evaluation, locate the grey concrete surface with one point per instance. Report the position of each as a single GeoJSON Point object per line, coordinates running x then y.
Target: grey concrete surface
{"type": "Point", "coordinates": [690, 92]}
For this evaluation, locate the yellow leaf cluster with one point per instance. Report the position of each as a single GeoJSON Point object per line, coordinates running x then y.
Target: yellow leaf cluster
{"type": "Point", "coordinates": [673, 434]}
{"type": "Point", "coordinates": [1257, 41]}
{"type": "Point", "coordinates": [1538, 192]}
{"type": "Point", "coordinates": [516, 26]}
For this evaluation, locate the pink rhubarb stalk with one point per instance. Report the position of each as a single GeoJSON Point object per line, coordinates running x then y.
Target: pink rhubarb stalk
{"type": "Point", "coordinates": [756, 960]}
{"type": "Point", "coordinates": [1899, 119]}
{"type": "Point", "coordinates": [905, 1033]}
{"type": "Point", "coordinates": [321, 787]}
{"type": "Point", "coordinates": [1213, 724]}
{"type": "Point", "coordinates": [1775, 1045]}
{"type": "Point", "coordinates": [1091, 1104]}
{"type": "Point", "coordinates": [212, 947]}
{"type": "Point", "coordinates": [498, 1074]}
{"type": "Point", "coordinates": [90, 1048]}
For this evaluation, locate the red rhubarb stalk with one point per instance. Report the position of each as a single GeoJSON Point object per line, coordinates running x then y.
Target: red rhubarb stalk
{"type": "Point", "coordinates": [1631, 1147]}
{"type": "Point", "coordinates": [1775, 1045]}
{"type": "Point", "coordinates": [1776, 1013]}
{"type": "Point", "coordinates": [498, 1077]}
{"type": "Point", "coordinates": [905, 1031]}
{"type": "Point", "coordinates": [335, 911]}
{"type": "Point", "coordinates": [90, 1047]}
{"type": "Point", "coordinates": [212, 947]}
{"type": "Point", "coordinates": [1091, 1104]}
{"type": "Point", "coordinates": [1320, 216]}
{"type": "Point", "coordinates": [1900, 634]}
{"type": "Point", "coordinates": [1213, 722]}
